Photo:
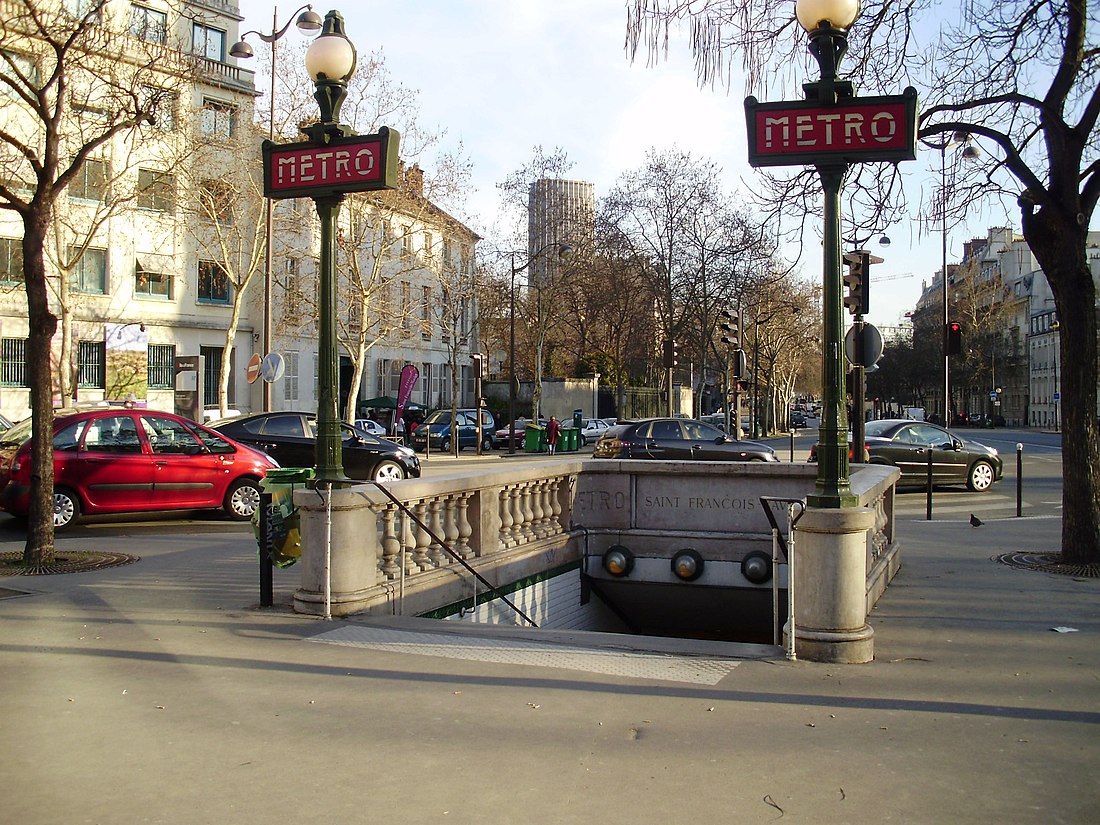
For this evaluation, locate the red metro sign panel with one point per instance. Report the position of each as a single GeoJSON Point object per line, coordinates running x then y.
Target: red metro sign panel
{"type": "Point", "coordinates": [855, 130]}
{"type": "Point", "coordinates": [344, 164]}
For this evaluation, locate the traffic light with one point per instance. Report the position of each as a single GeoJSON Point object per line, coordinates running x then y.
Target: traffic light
{"type": "Point", "coordinates": [730, 324]}
{"type": "Point", "coordinates": [855, 279]}
{"type": "Point", "coordinates": [740, 364]}
{"type": "Point", "coordinates": [670, 353]}
{"type": "Point", "coordinates": [953, 338]}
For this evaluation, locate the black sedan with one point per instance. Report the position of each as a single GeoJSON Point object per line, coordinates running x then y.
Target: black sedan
{"type": "Point", "coordinates": [677, 439]}
{"type": "Point", "coordinates": [905, 444]}
{"type": "Point", "coordinates": [291, 439]}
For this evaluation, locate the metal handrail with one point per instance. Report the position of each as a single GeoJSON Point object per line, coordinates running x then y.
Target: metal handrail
{"type": "Point", "coordinates": [455, 556]}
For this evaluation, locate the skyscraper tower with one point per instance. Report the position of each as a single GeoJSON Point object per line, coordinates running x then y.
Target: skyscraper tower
{"type": "Point", "coordinates": [558, 212]}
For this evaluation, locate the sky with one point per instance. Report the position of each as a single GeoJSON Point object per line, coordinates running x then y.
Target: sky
{"type": "Point", "coordinates": [505, 76]}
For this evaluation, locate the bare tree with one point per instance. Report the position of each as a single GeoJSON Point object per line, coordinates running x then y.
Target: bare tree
{"type": "Point", "coordinates": [46, 55]}
{"type": "Point", "coordinates": [1019, 76]}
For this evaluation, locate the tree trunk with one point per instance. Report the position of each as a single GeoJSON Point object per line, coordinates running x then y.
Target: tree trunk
{"type": "Point", "coordinates": [39, 548]}
{"type": "Point", "coordinates": [1059, 246]}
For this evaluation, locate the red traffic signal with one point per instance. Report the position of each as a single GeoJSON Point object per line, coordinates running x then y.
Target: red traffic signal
{"type": "Point", "coordinates": [952, 342]}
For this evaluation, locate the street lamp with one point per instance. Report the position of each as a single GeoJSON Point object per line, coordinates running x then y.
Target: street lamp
{"type": "Point", "coordinates": [969, 152]}
{"type": "Point", "coordinates": [308, 22]}
{"type": "Point", "coordinates": [330, 61]}
{"type": "Point", "coordinates": [827, 23]}
{"type": "Point", "coordinates": [564, 251]}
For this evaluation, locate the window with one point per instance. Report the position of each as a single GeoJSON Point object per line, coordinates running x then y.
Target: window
{"type": "Point", "coordinates": [161, 366]}
{"type": "Point", "coordinates": [406, 242]}
{"type": "Point", "coordinates": [406, 304]}
{"type": "Point", "coordinates": [13, 362]}
{"type": "Point", "coordinates": [216, 202]}
{"type": "Point", "coordinates": [91, 361]}
{"type": "Point", "coordinates": [150, 284]}
{"type": "Point", "coordinates": [90, 271]}
{"type": "Point", "coordinates": [213, 283]}
{"type": "Point", "coordinates": [90, 183]}
{"type": "Point", "coordinates": [20, 68]}
{"type": "Point", "coordinates": [213, 375]}
{"type": "Point", "coordinates": [219, 120]}
{"type": "Point", "coordinates": [11, 260]}
{"type": "Point", "coordinates": [160, 105]}
{"type": "Point", "coordinates": [112, 434]}
{"type": "Point", "coordinates": [448, 253]}
{"type": "Point", "coordinates": [166, 435]}
{"type": "Point", "coordinates": [429, 251]}
{"type": "Point", "coordinates": [149, 25]}
{"type": "Point", "coordinates": [208, 42]}
{"type": "Point", "coordinates": [426, 313]}
{"type": "Point", "coordinates": [290, 376]}
{"type": "Point", "coordinates": [156, 190]}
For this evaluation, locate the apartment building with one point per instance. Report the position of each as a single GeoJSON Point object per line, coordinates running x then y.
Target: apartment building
{"type": "Point", "coordinates": [156, 251]}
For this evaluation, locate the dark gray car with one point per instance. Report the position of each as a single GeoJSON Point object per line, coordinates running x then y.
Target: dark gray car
{"type": "Point", "coordinates": [677, 439]}
{"type": "Point", "coordinates": [291, 439]}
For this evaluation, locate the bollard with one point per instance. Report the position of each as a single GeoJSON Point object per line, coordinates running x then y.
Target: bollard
{"type": "Point", "coordinates": [1019, 479]}
{"type": "Point", "coordinates": [928, 516]}
{"type": "Point", "coordinates": [267, 567]}
{"type": "Point", "coordinates": [792, 445]}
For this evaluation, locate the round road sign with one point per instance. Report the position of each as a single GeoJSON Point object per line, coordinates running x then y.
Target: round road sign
{"type": "Point", "coordinates": [252, 371]}
{"type": "Point", "coordinates": [273, 367]}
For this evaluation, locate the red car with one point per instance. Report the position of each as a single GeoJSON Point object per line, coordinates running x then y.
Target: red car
{"type": "Point", "coordinates": [111, 460]}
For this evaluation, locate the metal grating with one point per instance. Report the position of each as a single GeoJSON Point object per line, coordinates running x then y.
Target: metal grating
{"type": "Point", "coordinates": [611, 662]}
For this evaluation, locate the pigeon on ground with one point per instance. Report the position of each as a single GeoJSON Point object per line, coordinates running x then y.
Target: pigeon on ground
{"type": "Point", "coordinates": [975, 521]}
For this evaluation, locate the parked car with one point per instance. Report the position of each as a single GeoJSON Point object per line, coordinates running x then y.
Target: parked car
{"type": "Point", "coordinates": [905, 445]}
{"type": "Point", "coordinates": [592, 429]}
{"type": "Point", "coordinates": [112, 460]}
{"type": "Point", "coordinates": [677, 439]}
{"type": "Point", "coordinates": [438, 425]}
{"type": "Point", "coordinates": [519, 426]}
{"type": "Point", "coordinates": [371, 426]}
{"type": "Point", "coordinates": [290, 437]}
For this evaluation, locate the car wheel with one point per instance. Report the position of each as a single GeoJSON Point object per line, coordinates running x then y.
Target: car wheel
{"type": "Point", "coordinates": [487, 445]}
{"type": "Point", "coordinates": [389, 471]}
{"type": "Point", "coordinates": [445, 445]}
{"type": "Point", "coordinates": [980, 478]}
{"type": "Point", "coordinates": [242, 499]}
{"type": "Point", "coordinates": [66, 509]}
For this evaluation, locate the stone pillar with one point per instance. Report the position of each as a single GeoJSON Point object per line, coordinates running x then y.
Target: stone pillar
{"type": "Point", "coordinates": [830, 586]}
{"type": "Point", "coordinates": [355, 550]}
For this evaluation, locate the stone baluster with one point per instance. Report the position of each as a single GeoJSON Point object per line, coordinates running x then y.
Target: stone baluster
{"type": "Point", "coordinates": [423, 540]}
{"type": "Point", "coordinates": [435, 549]}
{"type": "Point", "coordinates": [450, 525]}
{"type": "Point", "coordinates": [465, 529]}
{"type": "Point", "coordinates": [539, 515]}
{"type": "Point", "coordinates": [391, 545]}
{"type": "Point", "coordinates": [516, 493]}
{"type": "Point", "coordinates": [506, 522]}
{"type": "Point", "coordinates": [528, 513]}
{"type": "Point", "coordinates": [555, 503]}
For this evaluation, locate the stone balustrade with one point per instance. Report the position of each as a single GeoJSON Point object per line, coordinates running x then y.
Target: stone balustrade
{"type": "Point", "coordinates": [506, 524]}
{"type": "Point", "coordinates": [362, 553]}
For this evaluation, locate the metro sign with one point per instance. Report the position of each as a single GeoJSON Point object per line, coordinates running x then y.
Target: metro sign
{"type": "Point", "coordinates": [345, 164]}
{"type": "Point", "coordinates": [854, 130]}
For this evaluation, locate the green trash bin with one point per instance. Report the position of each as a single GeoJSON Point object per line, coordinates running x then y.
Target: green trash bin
{"type": "Point", "coordinates": [568, 441]}
{"type": "Point", "coordinates": [535, 439]}
{"type": "Point", "coordinates": [283, 522]}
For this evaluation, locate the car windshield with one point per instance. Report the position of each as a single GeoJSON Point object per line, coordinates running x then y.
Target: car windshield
{"type": "Point", "coordinates": [876, 427]}
{"type": "Point", "coordinates": [439, 417]}
{"type": "Point", "coordinates": [17, 434]}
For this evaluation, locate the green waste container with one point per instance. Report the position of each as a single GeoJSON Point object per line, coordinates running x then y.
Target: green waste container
{"type": "Point", "coordinates": [283, 521]}
{"type": "Point", "coordinates": [568, 441]}
{"type": "Point", "coordinates": [535, 439]}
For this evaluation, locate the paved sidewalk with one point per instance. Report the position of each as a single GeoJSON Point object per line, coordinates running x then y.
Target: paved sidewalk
{"type": "Point", "coordinates": [157, 693]}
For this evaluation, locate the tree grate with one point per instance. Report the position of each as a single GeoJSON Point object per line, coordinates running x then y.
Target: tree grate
{"type": "Point", "coordinates": [1049, 563]}
{"type": "Point", "coordinates": [69, 561]}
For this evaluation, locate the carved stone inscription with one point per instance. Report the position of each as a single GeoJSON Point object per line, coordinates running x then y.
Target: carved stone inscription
{"type": "Point", "coordinates": [684, 503]}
